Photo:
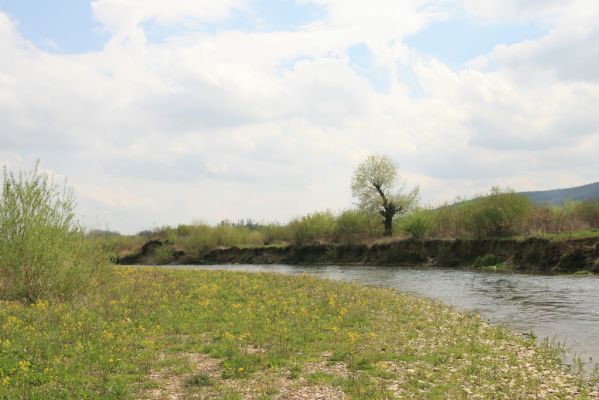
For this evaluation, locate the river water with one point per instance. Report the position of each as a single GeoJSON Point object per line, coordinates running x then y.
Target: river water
{"type": "Point", "coordinates": [561, 308]}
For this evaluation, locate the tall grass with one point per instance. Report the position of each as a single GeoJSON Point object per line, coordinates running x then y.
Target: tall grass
{"type": "Point", "coordinates": [43, 249]}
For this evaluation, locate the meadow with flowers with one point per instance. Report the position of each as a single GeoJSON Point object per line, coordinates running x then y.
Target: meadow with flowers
{"type": "Point", "coordinates": [74, 327]}
{"type": "Point", "coordinates": [152, 333]}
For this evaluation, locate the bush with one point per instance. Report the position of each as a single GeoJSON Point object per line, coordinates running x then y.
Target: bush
{"type": "Point", "coordinates": [488, 260]}
{"type": "Point", "coordinates": [312, 228]}
{"type": "Point", "coordinates": [274, 233]}
{"type": "Point", "coordinates": [542, 220]}
{"type": "Point", "coordinates": [43, 250]}
{"type": "Point", "coordinates": [500, 214]}
{"type": "Point", "coordinates": [417, 224]}
{"type": "Point", "coordinates": [448, 220]}
{"type": "Point", "coordinates": [115, 246]}
{"type": "Point", "coordinates": [588, 213]}
{"type": "Point", "coordinates": [355, 225]}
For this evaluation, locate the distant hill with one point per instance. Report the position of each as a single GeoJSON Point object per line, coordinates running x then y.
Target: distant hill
{"type": "Point", "coordinates": [560, 196]}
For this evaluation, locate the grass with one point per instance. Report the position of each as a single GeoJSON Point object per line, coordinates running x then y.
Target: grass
{"type": "Point", "coordinates": [157, 333]}
{"type": "Point", "coordinates": [579, 234]}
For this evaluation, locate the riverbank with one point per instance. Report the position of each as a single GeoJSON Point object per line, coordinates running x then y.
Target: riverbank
{"type": "Point", "coordinates": [158, 333]}
{"type": "Point", "coordinates": [531, 255]}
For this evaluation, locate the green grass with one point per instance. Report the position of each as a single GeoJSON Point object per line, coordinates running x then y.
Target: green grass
{"type": "Point", "coordinates": [580, 234]}
{"type": "Point", "coordinates": [155, 333]}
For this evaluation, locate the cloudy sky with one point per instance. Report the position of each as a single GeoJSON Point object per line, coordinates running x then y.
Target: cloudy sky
{"type": "Point", "coordinates": [165, 112]}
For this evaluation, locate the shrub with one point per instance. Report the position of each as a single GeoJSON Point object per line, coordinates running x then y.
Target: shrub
{"type": "Point", "coordinates": [500, 214]}
{"type": "Point", "coordinates": [417, 224]}
{"type": "Point", "coordinates": [488, 260]}
{"type": "Point", "coordinates": [274, 233]}
{"type": "Point", "coordinates": [541, 220]}
{"type": "Point", "coordinates": [43, 250]}
{"type": "Point", "coordinates": [313, 228]}
{"type": "Point", "coordinates": [354, 225]}
{"type": "Point", "coordinates": [116, 245]}
{"type": "Point", "coordinates": [588, 213]}
{"type": "Point", "coordinates": [448, 220]}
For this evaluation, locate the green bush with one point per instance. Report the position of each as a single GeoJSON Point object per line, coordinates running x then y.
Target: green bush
{"type": "Point", "coordinates": [313, 228]}
{"type": "Point", "coordinates": [353, 225]}
{"type": "Point", "coordinates": [499, 214]}
{"type": "Point", "coordinates": [587, 212]}
{"type": "Point", "coordinates": [44, 252]}
{"type": "Point", "coordinates": [417, 224]}
{"type": "Point", "coordinates": [116, 245]}
{"type": "Point", "coordinates": [199, 239]}
{"type": "Point", "coordinates": [274, 233]}
{"type": "Point", "coordinates": [448, 220]}
{"type": "Point", "coordinates": [488, 260]}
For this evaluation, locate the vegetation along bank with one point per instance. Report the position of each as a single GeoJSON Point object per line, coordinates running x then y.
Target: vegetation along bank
{"type": "Point", "coordinates": [72, 326]}
{"type": "Point", "coordinates": [389, 227]}
{"type": "Point", "coordinates": [533, 255]}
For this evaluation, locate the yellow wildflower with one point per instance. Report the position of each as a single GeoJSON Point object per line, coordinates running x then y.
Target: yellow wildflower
{"type": "Point", "coordinates": [24, 365]}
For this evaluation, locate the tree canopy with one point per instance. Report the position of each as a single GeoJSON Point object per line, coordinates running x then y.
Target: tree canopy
{"type": "Point", "coordinates": [378, 187]}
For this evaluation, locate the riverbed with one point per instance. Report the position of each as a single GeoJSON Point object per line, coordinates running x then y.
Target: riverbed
{"type": "Point", "coordinates": [562, 308]}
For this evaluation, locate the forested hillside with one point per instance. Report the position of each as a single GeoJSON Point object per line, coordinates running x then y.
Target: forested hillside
{"type": "Point", "coordinates": [560, 196]}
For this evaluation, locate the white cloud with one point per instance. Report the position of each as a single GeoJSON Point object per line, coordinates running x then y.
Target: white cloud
{"type": "Point", "coordinates": [270, 125]}
{"type": "Point", "coordinates": [524, 10]}
{"type": "Point", "coordinates": [125, 14]}
{"type": "Point", "coordinates": [382, 19]}
{"type": "Point", "coordinates": [569, 56]}
{"type": "Point", "coordinates": [114, 197]}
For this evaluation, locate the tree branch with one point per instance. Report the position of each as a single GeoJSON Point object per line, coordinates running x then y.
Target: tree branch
{"type": "Point", "coordinates": [378, 189]}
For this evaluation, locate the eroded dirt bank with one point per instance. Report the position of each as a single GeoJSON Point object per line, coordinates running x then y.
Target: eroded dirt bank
{"type": "Point", "coordinates": [535, 255]}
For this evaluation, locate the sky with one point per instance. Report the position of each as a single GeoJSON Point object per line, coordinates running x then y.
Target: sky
{"type": "Point", "coordinates": [171, 112]}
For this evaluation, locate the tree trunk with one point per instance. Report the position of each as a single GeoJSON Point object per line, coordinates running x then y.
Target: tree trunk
{"type": "Point", "coordinates": [388, 224]}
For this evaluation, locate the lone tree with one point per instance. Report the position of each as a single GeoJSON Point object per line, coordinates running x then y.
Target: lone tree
{"type": "Point", "coordinates": [377, 187]}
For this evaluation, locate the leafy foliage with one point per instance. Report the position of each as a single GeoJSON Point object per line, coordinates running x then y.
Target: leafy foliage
{"type": "Point", "coordinates": [417, 224]}
{"type": "Point", "coordinates": [356, 225]}
{"type": "Point", "coordinates": [43, 250]}
{"type": "Point", "coordinates": [487, 260]}
{"type": "Point", "coordinates": [377, 188]}
{"type": "Point", "coordinates": [500, 214]}
{"type": "Point", "coordinates": [313, 227]}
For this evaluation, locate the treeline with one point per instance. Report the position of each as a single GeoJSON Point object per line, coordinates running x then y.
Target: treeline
{"type": "Point", "coordinates": [498, 214]}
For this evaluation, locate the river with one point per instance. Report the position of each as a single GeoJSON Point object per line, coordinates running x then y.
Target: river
{"type": "Point", "coordinates": [563, 308]}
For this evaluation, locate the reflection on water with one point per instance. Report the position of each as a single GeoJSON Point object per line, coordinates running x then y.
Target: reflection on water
{"type": "Point", "coordinates": [562, 307]}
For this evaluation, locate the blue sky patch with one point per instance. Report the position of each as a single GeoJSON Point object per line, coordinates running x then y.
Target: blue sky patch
{"type": "Point", "coordinates": [58, 26]}
{"type": "Point", "coordinates": [289, 64]}
{"type": "Point", "coordinates": [68, 26]}
{"type": "Point", "coordinates": [457, 41]}
{"type": "Point", "coordinates": [261, 16]}
{"type": "Point", "coordinates": [363, 63]}
{"type": "Point", "coordinates": [284, 15]}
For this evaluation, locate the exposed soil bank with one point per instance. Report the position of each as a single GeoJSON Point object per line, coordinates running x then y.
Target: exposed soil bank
{"type": "Point", "coordinates": [535, 255]}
